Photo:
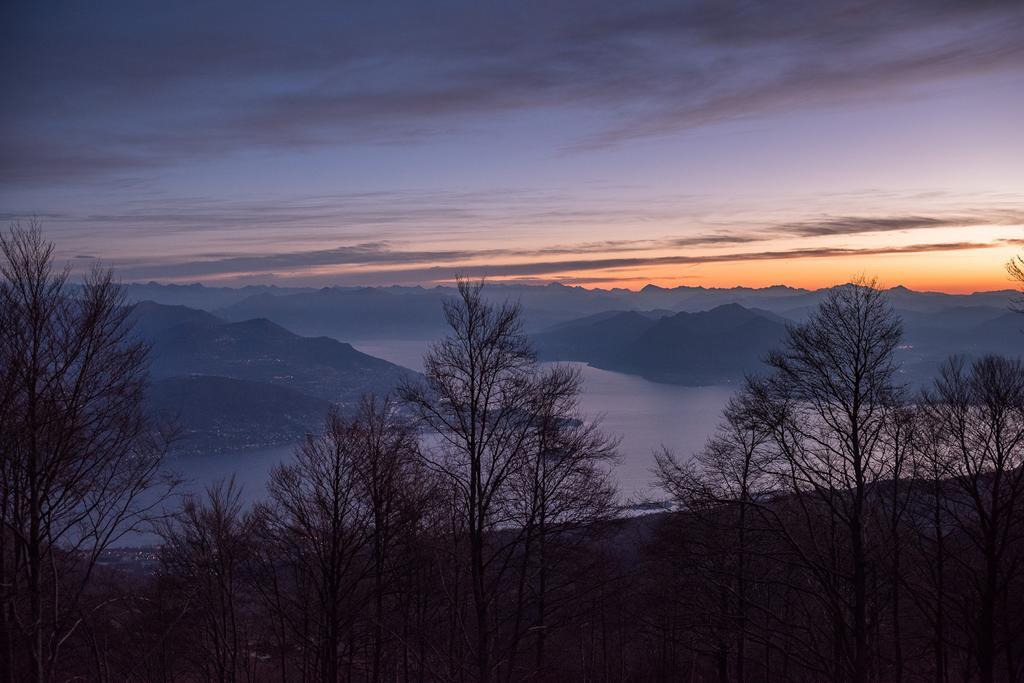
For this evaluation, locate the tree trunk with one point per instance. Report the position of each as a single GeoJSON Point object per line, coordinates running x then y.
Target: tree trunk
{"type": "Point", "coordinates": [987, 617]}
{"type": "Point", "coordinates": [542, 578]}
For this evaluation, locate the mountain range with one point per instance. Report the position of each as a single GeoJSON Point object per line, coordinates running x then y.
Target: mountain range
{"type": "Point", "coordinates": [358, 313]}
{"type": "Point", "coordinates": [708, 347]}
{"type": "Point", "coordinates": [725, 343]}
{"type": "Point", "coordinates": [260, 365]}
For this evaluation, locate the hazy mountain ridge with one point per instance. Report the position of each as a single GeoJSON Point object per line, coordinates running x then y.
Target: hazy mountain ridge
{"type": "Point", "coordinates": [415, 312]}
{"type": "Point", "coordinates": [200, 296]}
{"type": "Point", "coordinates": [668, 335]}
{"type": "Point", "coordinates": [240, 384]}
{"type": "Point", "coordinates": [217, 414]}
{"type": "Point", "coordinates": [729, 341]}
{"type": "Point", "coordinates": [594, 339]}
{"type": "Point", "coordinates": [710, 347]}
{"type": "Point", "coordinates": [263, 351]}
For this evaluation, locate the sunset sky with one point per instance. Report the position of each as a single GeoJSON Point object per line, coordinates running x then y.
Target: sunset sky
{"type": "Point", "coordinates": [595, 143]}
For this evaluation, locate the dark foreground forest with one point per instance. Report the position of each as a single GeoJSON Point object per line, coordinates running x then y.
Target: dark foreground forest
{"type": "Point", "coordinates": [839, 526]}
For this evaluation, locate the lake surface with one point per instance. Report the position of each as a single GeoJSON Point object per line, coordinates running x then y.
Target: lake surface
{"type": "Point", "coordinates": [645, 415]}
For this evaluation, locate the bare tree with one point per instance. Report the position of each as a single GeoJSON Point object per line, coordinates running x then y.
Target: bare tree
{"type": "Point", "coordinates": [207, 547]}
{"type": "Point", "coordinates": [509, 441]}
{"type": "Point", "coordinates": [478, 401]}
{"type": "Point", "coordinates": [78, 460]}
{"type": "Point", "coordinates": [318, 528]}
{"type": "Point", "coordinates": [1015, 267]}
{"type": "Point", "coordinates": [900, 445]}
{"type": "Point", "coordinates": [979, 414]}
{"type": "Point", "coordinates": [394, 485]}
{"type": "Point", "coordinates": [829, 405]}
{"type": "Point", "coordinates": [563, 489]}
{"type": "Point", "coordinates": [724, 485]}
{"type": "Point", "coordinates": [931, 543]}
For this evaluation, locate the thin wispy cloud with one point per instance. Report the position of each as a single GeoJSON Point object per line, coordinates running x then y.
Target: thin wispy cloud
{"type": "Point", "coordinates": [230, 140]}
{"type": "Point", "coordinates": [149, 89]}
{"type": "Point", "coordinates": [405, 267]}
{"type": "Point", "coordinates": [521, 270]}
{"type": "Point", "coordinates": [553, 259]}
{"type": "Point", "coordinates": [365, 216]}
{"type": "Point", "coordinates": [852, 225]}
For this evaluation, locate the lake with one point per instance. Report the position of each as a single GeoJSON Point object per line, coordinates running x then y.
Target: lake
{"type": "Point", "coordinates": [644, 415]}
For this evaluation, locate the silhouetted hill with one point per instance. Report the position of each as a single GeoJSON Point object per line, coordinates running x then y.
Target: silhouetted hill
{"type": "Point", "coordinates": [259, 350]}
{"type": "Point", "coordinates": [710, 347]}
{"type": "Point", "coordinates": [220, 414]}
{"type": "Point", "coordinates": [567, 323]}
{"type": "Point", "coordinates": [594, 339]}
{"type": "Point", "coordinates": [722, 344]}
{"type": "Point", "coordinates": [151, 319]}
{"type": "Point", "coordinates": [235, 385]}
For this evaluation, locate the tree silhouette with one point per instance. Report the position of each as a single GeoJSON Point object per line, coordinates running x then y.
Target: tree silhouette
{"type": "Point", "coordinates": [79, 460]}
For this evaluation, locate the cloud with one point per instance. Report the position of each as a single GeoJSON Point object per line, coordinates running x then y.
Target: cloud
{"type": "Point", "coordinates": [123, 87]}
{"type": "Point", "coordinates": [359, 254]}
{"type": "Point", "coordinates": [375, 253]}
{"type": "Point", "coordinates": [852, 225]}
{"type": "Point", "coordinates": [367, 215]}
{"type": "Point", "coordinates": [386, 229]}
{"type": "Point", "coordinates": [439, 273]}
{"type": "Point", "coordinates": [670, 221]}
{"type": "Point", "coordinates": [412, 267]}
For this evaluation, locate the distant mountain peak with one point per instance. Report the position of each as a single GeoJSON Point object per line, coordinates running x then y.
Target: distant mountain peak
{"type": "Point", "coordinates": [732, 306]}
{"type": "Point", "coordinates": [151, 317]}
{"type": "Point", "coordinates": [262, 326]}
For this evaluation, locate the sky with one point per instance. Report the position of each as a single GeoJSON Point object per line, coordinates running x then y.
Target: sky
{"type": "Point", "coordinates": [602, 144]}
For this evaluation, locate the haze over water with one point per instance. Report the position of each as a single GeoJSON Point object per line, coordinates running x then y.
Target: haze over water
{"type": "Point", "coordinates": [645, 415]}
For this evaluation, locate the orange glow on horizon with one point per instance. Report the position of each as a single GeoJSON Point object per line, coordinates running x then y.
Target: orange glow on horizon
{"type": "Point", "coordinates": [955, 272]}
{"type": "Point", "coordinates": [935, 262]}
{"type": "Point", "coordinates": [935, 284]}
